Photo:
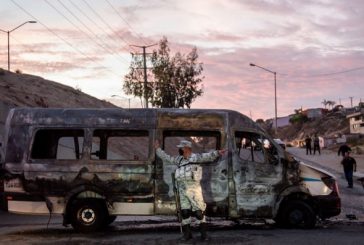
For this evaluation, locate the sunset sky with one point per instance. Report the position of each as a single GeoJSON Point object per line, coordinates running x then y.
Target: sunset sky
{"type": "Point", "coordinates": [315, 46]}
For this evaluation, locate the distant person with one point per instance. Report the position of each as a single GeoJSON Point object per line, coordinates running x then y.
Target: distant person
{"type": "Point", "coordinates": [316, 145]}
{"type": "Point", "coordinates": [308, 142]}
{"type": "Point", "coordinates": [343, 149]}
{"type": "Point", "coordinates": [349, 165]}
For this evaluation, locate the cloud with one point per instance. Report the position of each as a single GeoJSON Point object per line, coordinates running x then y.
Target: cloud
{"type": "Point", "coordinates": [298, 39]}
{"type": "Point", "coordinates": [231, 83]}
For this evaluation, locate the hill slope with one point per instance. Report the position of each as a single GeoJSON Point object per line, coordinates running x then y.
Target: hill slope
{"type": "Point", "coordinates": [329, 125]}
{"type": "Point", "coordinates": [33, 91]}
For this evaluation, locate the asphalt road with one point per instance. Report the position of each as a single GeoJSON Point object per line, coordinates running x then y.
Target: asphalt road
{"type": "Point", "coordinates": [18, 229]}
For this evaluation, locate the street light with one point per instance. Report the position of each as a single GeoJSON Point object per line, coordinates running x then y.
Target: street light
{"type": "Point", "coordinates": [275, 92]}
{"type": "Point", "coordinates": [8, 32]}
{"type": "Point", "coordinates": [114, 95]}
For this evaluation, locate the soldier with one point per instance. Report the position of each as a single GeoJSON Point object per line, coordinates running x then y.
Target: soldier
{"type": "Point", "coordinates": [188, 175]}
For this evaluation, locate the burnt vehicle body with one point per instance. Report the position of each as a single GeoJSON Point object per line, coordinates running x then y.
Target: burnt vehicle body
{"type": "Point", "coordinates": [91, 165]}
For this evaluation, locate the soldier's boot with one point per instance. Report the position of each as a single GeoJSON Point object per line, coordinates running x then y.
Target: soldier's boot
{"type": "Point", "coordinates": [203, 230]}
{"type": "Point", "coordinates": [187, 235]}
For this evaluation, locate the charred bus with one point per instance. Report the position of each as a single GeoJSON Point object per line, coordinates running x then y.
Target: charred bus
{"type": "Point", "coordinates": [91, 165]}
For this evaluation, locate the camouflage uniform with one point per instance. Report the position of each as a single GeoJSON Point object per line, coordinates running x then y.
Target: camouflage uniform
{"type": "Point", "coordinates": [188, 176]}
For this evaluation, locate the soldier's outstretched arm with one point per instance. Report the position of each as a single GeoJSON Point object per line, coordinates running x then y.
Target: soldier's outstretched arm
{"type": "Point", "coordinates": [207, 157]}
{"type": "Point", "coordinates": [167, 159]}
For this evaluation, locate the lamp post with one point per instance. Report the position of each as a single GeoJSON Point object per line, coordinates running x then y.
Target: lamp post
{"type": "Point", "coordinates": [275, 93]}
{"type": "Point", "coordinates": [8, 32]}
{"type": "Point", "coordinates": [114, 95]}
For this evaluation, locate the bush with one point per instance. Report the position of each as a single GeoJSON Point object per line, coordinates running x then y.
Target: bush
{"type": "Point", "coordinates": [298, 118]}
{"type": "Point", "coordinates": [78, 89]}
{"type": "Point", "coordinates": [2, 72]}
{"type": "Point", "coordinates": [18, 71]}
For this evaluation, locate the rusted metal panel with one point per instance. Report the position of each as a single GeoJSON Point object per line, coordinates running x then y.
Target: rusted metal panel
{"type": "Point", "coordinates": [119, 182]}
{"type": "Point", "coordinates": [193, 120]}
{"type": "Point", "coordinates": [84, 117]}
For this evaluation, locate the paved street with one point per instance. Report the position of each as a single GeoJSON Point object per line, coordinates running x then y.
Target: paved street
{"type": "Point", "coordinates": [18, 229]}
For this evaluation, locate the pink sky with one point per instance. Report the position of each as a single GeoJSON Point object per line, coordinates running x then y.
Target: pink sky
{"type": "Point", "coordinates": [315, 46]}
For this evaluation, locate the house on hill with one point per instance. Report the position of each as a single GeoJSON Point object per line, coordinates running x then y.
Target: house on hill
{"type": "Point", "coordinates": [314, 112]}
{"type": "Point", "coordinates": [356, 121]}
{"type": "Point", "coordinates": [281, 121]}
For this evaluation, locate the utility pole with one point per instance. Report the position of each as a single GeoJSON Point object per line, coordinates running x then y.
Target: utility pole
{"type": "Point", "coordinates": [275, 93]}
{"type": "Point", "coordinates": [145, 70]}
{"type": "Point", "coordinates": [8, 33]}
{"type": "Point", "coordinates": [351, 101]}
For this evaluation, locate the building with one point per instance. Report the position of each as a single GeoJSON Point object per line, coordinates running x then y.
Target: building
{"type": "Point", "coordinates": [283, 121]}
{"type": "Point", "coordinates": [314, 112]}
{"type": "Point", "coordinates": [356, 121]}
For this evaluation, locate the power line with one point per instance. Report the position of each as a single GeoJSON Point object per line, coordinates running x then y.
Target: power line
{"type": "Point", "coordinates": [105, 23]}
{"type": "Point", "coordinates": [73, 24]}
{"type": "Point", "coordinates": [92, 21]}
{"type": "Point", "coordinates": [61, 38]}
{"type": "Point", "coordinates": [106, 47]}
{"type": "Point", "coordinates": [324, 74]}
{"type": "Point", "coordinates": [130, 27]}
{"type": "Point", "coordinates": [337, 73]}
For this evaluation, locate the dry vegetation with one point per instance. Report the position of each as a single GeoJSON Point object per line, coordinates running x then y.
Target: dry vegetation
{"type": "Point", "coordinates": [330, 125]}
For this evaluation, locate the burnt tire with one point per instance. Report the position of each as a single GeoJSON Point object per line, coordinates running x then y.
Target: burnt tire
{"type": "Point", "coordinates": [88, 215]}
{"type": "Point", "coordinates": [297, 214]}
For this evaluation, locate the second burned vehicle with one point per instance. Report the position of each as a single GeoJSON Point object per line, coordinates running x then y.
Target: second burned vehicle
{"type": "Point", "coordinates": [91, 165]}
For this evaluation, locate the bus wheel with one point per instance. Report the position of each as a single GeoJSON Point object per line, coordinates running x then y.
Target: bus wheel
{"type": "Point", "coordinates": [88, 215]}
{"type": "Point", "coordinates": [298, 214]}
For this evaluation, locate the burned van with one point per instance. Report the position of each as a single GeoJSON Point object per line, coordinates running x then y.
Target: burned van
{"type": "Point", "coordinates": [91, 165]}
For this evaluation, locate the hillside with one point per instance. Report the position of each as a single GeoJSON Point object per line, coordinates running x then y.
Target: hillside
{"type": "Point", "coordinates": [33, 91]}
{"type": "Point", "coordinates": [329, 125]}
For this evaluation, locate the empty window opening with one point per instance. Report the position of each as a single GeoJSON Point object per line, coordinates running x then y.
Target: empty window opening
{"type": "Point", "coordinates": [62, 144]}
{"type": "Point", "coordinates": [121, 145]}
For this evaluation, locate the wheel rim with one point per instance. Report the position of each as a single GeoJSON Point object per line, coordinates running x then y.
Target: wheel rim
{"type": "Point", "coordinates": [296, 217]}
{"type": "Point", "coordinates": [87, 216]}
